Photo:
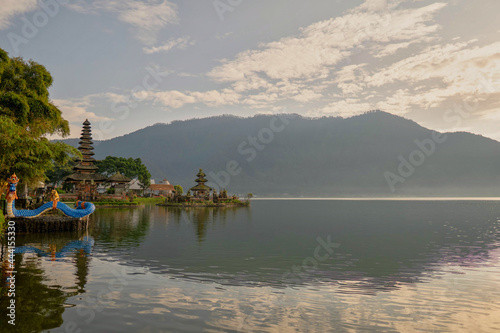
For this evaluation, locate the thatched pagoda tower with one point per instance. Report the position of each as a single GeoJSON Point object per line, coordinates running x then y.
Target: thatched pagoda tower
{"type": "Point", "coordinates": [85, 176]}
{"type": "Point", "coordinates": [201, 190]}
{"type": "Point", "coordinates": [118, 182]}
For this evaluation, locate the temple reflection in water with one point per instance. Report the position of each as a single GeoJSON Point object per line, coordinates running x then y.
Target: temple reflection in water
{"type": "Point", "coordinates": [50, 269]}
{"type": "Point", "coordinates": [224, 268]}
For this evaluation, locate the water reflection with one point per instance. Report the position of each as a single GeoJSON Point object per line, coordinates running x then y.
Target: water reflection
{"type": "Point", "coordinates": [203, 218]}
{"type": "Point", "coordinates": [382, 245]}
{"type": "Point", "coordinates": [83, 245]}
{"type": "Point", "coordinates": [156, 303]}
{"type": "Point", "coordinates": [222, 269]}
{"type": "Point", "coordinates": [50, 269]}
{"type": "Point", "coordinates": [121, 227]}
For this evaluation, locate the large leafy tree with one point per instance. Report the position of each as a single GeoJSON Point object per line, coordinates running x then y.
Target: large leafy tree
{"type": "Point", "coordinates": [27, 116]}
{"type": "Point", "coordinates": [60, 171]}
{"type": "Point", "coordinates": [129, 167]}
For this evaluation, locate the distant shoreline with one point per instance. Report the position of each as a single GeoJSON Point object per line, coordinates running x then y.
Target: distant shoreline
{"type": "Point", "coordinates": [243, 204]}
{"type": "Point", "coordinates": [393, 199]}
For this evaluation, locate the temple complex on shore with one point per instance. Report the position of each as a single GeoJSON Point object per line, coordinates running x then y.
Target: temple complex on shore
{"type": "Point", "coordinates": [86, 180]}
{"type": "Point", "coordinates": [203, 195]}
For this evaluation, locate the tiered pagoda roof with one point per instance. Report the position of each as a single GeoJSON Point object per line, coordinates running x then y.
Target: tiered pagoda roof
{"type": "Point", "coordinates": [85, 169]}
{"type": "Point", "coordinates": [201, 180]}
{"type": "Point", "coordinates": [118, 178]}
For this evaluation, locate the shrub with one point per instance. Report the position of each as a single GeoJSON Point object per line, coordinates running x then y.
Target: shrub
{"type": "Point", "coordinates": [2, 223]}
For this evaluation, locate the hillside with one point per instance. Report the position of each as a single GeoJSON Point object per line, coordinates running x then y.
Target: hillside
{"type": "Point", "coordinates": [313, 157]}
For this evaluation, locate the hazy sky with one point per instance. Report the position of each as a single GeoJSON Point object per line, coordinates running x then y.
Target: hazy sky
{"type": "Point", "coordinates": [127, 64]}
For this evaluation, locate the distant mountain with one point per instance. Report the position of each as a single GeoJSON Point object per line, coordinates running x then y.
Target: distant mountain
{"type": "Point", "coordinates": [289, 155]}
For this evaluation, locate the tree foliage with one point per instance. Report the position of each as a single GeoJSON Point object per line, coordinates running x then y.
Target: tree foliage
{"type": "Point", "coordinates": [26, 117]}
{"type": "Point", "coordinates": [178, 189]}
{"type": "Point", "coordinates": [59, 171]}
{"type": "Point", "coordinates": [129, 167]}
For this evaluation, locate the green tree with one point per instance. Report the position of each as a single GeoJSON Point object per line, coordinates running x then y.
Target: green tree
{"type": "Point", "coordinates": [26, 117]}
{"type": "Point", "coordinates": [178, 189]}
{"type": "Point", "coordinates": [129, 167]}
{"type": "Point", "coordinates": [59, 171]}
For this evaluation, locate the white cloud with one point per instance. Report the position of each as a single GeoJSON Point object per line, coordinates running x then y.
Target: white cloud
{"type": "Point", "coordinates": [114, 97]}
{"type": "Point", "coordinates": [302, 68]}
{"type": "Point", "coordinates": [11, 8]}
{"type": "Point", "coordinates": [306, 95]}
{"type": "Point", "coordinates": [176, 99]}
{"type": "Point", "coordinates": [443, 72]}
{"type": "Point", "coordinates": [184, 74]}
{"type": "Point", "coordinates": [344, 108]}
{"type": "Point", "coordinates": [348, 65]}
{"type": "Point", "coordinates": [390, 49]}
{"type": "Point", "coordinates": [74, 110]}
{"type": "Point", "coordinates": [179, 43]}
{"type": "Point", "coordinates": [217, 98]}
{"type": "Point", "coordinates": [322, 46]}
{"type": "Point", "coordinates": [299, 68]}
{"type": "Point", "coordinates": [147, 18]}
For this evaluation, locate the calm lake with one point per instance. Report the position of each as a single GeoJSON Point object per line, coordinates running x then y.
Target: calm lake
{"type": "Point", "coordinates": [277, 266]}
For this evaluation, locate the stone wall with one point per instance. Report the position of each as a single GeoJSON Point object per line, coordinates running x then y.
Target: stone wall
{"type": "Point", "coordinates": [49, 224]}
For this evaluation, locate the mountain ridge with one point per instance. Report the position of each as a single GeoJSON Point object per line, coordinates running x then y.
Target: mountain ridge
{"type": "Point", "coordinates": [288, 154]}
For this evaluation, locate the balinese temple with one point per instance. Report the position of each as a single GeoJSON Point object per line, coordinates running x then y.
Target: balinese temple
{"type": "Point", "coordinates": [118, 182]}
{"type": "Point", "coordinates": [201, 190]}
{"type": "Point", "coordinates": [85, 176]}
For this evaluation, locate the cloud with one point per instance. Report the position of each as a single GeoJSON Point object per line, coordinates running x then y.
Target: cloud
{"type": "Point", "coordinates": [179, 43]}
{"type": "Point", "coordinates": [176, 99]}
{"type": "Point", "coordinates": [344, 108]}
{"type": "Point", "coordinates": [348, 65]}
{"type": "Point", "coordinates": [322, 46]}
{"type": "Point", "coordinates": [390, 49]}
{"type": "Point", "coordinates": [147, 18]}
{"type": "Point", "coordinates": [314, 66]}
{"type": "Point", "coordinates": [74, 110]}
{"type": "Point", "coordinates": [457, 71]}
{"type": "Point", "coordinates": [300, 68]}
{"type": "Point", "coordinates": [11, 8]}
{"type": "Point", "coordinates": [185, 74]}
{"type": "Point", "coordinates": [224, 35]}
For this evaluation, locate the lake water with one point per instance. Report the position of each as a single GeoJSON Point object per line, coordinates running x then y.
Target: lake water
{"type": "Point", "coordinates": [277, 266]}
